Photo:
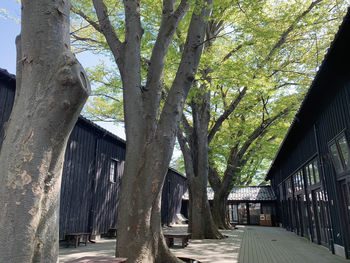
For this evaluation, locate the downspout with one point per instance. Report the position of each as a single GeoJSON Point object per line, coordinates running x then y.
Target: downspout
{"type": "Point", "coordinates": [92, 215]}
{"type": "Point", "coordinates": [320, 161]}
{"type": "Point", "coordinates": [308, 204]}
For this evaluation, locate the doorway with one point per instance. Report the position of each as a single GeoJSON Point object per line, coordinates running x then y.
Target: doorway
{"type": "Point", "coordinates": [344, 192]}
{"type": "Point", "coordinates": [321, 216]}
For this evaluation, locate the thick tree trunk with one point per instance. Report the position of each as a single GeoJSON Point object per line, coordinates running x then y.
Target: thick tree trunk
{"type": "Point", "coordinates": [150, 137]}
{"type": "Point", "coordinates": [219, 210]}
{"type": "Point", "coordinates": [201, 223]}
{"type": "Point", "coordinates": [51, 90]}
{"type": "Point", "coordinates": [141, 240]}
{"type": "Point", "coordinates": [195, 151]}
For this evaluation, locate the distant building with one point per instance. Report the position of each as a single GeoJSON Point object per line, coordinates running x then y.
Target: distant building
{"type": "Point", "coordinates": [311, 171]}
{"type": "Point", "coordinates": [246, 204]}
{"type": "Point", "coordinates": [92, 174]}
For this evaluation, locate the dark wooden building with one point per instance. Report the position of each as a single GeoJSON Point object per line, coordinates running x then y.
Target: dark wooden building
{"type": "Point", "coordinates": [92, 174]}
{"type": "Point", "coordinates": [311, 171]}
{"type": "Point", "coordinates": [248, 205]}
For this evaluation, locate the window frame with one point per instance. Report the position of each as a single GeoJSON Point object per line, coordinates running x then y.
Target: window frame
{"type": "Point", "coordinates": [116, 163]}
{"type": "Point", "coordinates": [335, 142]}
{"type": "Point", "coordinates": [310, 173]}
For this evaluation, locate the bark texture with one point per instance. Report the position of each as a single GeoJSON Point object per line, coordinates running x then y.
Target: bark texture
{"type": "Point", "coordinates": [195, 150]}
{"type": "Point", "coordinates": [51, 90]}
{"type": "Point", "coordinates": [150, 133]}
{"type": "Point", "coordinates": [194, 144]}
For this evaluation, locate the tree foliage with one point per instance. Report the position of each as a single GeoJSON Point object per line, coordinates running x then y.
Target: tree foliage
{"type": "Point", "coordinates": [256, 78]}
{"type": "Point", "coordinates": [262, 55]}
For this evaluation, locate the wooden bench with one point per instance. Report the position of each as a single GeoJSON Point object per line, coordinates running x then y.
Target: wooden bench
{"type": "Point", "coordinates": [75, 237]}
{"type": "Point", "coordinates": [112, 232]}
{"type": "Point", "coordinates": [98, 260]}
{"type": "Point", "coordinates": [169, 237]}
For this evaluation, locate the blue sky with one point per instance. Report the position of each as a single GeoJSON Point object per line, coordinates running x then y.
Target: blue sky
{"type": "Point", "coordinates": [10, 13]}
{"type": "Point", "coordinates": [9, 29]}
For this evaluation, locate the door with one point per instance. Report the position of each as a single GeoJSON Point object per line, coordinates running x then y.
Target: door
{"type": "Point", "coordinates": [242, 213]}
{"type": "Point", "coordinates": [300, 216]}
{"type": "Point", "coordinates": [254, 213]}
{"type": "Point", "coordinates": [291, 214]}
{"type": "Point", "coordinates": [345, 205]}
{"type": "Point", "coordinates": [321, 216]}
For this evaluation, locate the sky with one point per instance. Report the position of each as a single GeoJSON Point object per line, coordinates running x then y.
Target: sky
{"type": "Point", "coordinates": [10, 13]}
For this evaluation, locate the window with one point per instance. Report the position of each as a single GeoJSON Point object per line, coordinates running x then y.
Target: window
{"type": "Point", "coordinates": [339, 150]}
{"type": "Point", "coordinates": [301, 179]}
{"type": "Point", "coordinates": [311, 172]}
{"type": "Point", "coordinates": [298, 181]}
{"type": "Point", "coordinates": [316, 173]}
{"type": "Point", "coordinates": [116, 170]}
{"type": "Point", "coordinates": [336, 158]}
{"type": "Point", "coordinates": [289, 186]}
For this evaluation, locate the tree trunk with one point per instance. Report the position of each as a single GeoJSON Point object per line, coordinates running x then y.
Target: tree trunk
{"type": "Point", "coordinates": [201, 224]}
{"type": "Point", "coordinates": [195, 151]}
{"type": "Point", "coordinates": [219, 210]}
{"type": "Point", "coordinates": [141, 240]}
{"type": "Point", "coordinates": [51, 90]}
{"type": "Point", "coordinates": [151, 135]}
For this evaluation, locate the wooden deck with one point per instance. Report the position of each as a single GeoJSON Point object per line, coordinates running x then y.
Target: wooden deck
{"type": "Point", "coordinates": [258, 244]}
{"type": "Point", "coordinates": [275, 245]}
{"type": "Point", "coordinates": [247, 244]}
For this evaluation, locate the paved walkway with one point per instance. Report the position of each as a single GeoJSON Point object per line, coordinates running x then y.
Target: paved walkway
{"type": "Point", "coordinates": [247, 244]}
{"type": "Point", "coordinates": [275, 245]}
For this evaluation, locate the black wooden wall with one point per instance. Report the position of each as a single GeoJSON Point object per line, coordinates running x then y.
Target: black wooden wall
{"type": "Point", "coordinates": [175, 186]}
{"type": "Point", "coordinates": [7, 95]}
{"type": "Point", "coordinates": [89, 200]}
{"type": "Point", "coordinates": [324, 114]}
{"type": "Point", "coordinates": [332, 119]}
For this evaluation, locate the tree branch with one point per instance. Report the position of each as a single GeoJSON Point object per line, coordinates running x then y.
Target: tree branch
{"type": "Point", "coordinates": [186, 153]}
{"type": "Point", "coordinates": [187, 127]}
{"type": "Point", "coordinates": [85, 39]}
{"type": "Point", "coordinates": [186, 71]}
{"type": "Point", "coordinates": [259, 131]}
{"type": "Point", "coordinates": [285, 34]}
{"type": "Point", "coordinates": [104, 95]}
{"type": "Point", "coordinates": [225, 115]}
{"type": "Point", "coordinates": [87, 19]}
{"type": "Point", "coordinates": [152, 92]}
{"type": "Point", "coordinates": [107, 29]}
{"type": "Point", "coordinates": [214, 179]}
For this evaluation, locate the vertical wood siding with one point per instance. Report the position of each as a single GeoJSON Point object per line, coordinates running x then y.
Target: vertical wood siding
{"type": "Point", "coordinates": [175, 185]}
{"type": "Point", "coordinates": [332, 118]}
{"type": "Point", "coordinates": [324, 114]}
{"type": "Point", "coordinates": [7, 95]}
{"type": "Point", "coordinates": [78, 175]}
{"type": "Point", "coordinates": [106, 193]}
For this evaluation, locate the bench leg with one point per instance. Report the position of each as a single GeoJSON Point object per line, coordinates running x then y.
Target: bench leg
{"type": "Point", "coordinates": [77, 240]}
{"type": "Point", "coordinates": [68, 241]}
{"type": "Point", "coordinates": [184, 242]}
{"type": "Point", "coordinates": [169, 241]}
{"type": "Point", "coordinates": [86, 237]}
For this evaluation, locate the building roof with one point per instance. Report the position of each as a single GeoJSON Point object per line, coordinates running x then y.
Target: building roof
{"type": "Point", "coordinates": [336, 59]}
{"type": "Point", "coordinates": [6, 76]}
{"type": "Point", "coordinates": [244, 193]}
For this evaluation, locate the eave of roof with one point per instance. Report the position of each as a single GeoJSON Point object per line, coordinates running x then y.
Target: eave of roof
{"type": "Point", "coordinates": [244, 193]}
{"type": "Point", "coordinates": [5, 75]}
{"type": "Point", "coordinates": [177, 172]}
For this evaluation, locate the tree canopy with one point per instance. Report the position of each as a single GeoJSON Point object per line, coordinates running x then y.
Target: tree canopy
{"type": "Point", "coordinates": [249, 51]}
